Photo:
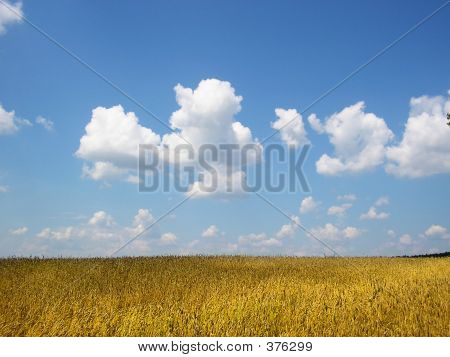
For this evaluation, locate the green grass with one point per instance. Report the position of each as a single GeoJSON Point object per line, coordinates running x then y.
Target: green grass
{"type": "Point", "coordinates": [225, 296]}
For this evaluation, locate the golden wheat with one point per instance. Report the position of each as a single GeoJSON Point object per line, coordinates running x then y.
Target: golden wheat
{"type": "Point", "coordinates": [225, 296]}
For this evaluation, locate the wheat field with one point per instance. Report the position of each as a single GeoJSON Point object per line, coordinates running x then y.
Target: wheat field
{"type": "Point", "coordinates": [225, 296]}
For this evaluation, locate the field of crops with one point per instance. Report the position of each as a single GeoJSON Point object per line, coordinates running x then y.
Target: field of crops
{"type": "Point", "coordinates": [225, 296]}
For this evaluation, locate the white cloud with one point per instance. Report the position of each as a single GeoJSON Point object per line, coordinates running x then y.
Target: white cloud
{"type": "Point", "coordinates": [101, 218]}
{"type": "Point", "coordinates": [391, 233]}
{"type": "Point", "coordinates": [47, 124]}
{"type": "Point", "coordinates": [288, 229]}
{"type": "Point", "coordinates": [308, 204]}
{"type": "Point", "coordinates": [10, 14]}
{"type": "Point", "coordinates": [19, 231]}
{"type": "Point", "coordinates": [316, 124]}
{"type": "Point", "coordinates": [206, 116]}
{"type": "Point", "coordinates": [111, 143]}
{"type": "Point", "coordinates": [373, 214]}
{"type": "Point", "coordinates": [45, 233]}
{"type": "Point", "coordinates": [425, 147]}
{"type": "Point", "coordinates": [57, 234]}
{"type": "Point", "coordinates": [4, 189]}
{"type": "Point", "coordinates": [405, 239]}
{"type": "Point", "coordinates": [99, 235]}
{"type": "Point", "coordinates": [339, 210]}
{"type": "Point", "coordinates": [359, 141]}
{"type": "Point", "coordinates": [384, 200]}
{"type": "Point", "coordinates": [351, 232]}
{"type": "Point", "coordinates": [347, 197]}
{"type": "Point", "coordinates": [291, 127]}
{"type": "Point", "coordinates": [330, 232]}
{"type": "Point", "coordinates": [141, 221]}
{"type": "Point", "coordinates": [104, 171]}
{"type": "Point", "coordinates": [262, 240]}
{"type": "Point", "coordinates": [259, 240]}
{"type": "Point", "coordinates": [193, 243]}
{"type": "Point", "coordinates": [9, 122]}
{"type": "Point", "coordinates": [168, 238]}
{"type": "Point", "coordinates": [437, 230]}
{"type": "Point", "coordinates": [210, 232]}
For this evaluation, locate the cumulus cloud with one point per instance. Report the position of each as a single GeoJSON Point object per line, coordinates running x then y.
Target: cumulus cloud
{"type": "Point", "coordinates": [99, 235]}
{"type": "Point", "coordinates": [258, 240]}
{"type": "Point", "coordinates": [332, 233]}
{"type": "Point", "coordinates": [405, 239]}
{"type": "Point", "coordinates": [373, 214]}
{"type": "Point", "coordinates": [111, 143]}
{"type": "Point", "coordinates": [384, 200]}
{"type": "Point", "coordinates": [308, 204]}
{"type": "Point", "coordinates": [347, 197]}
{"type": "Point", "coordinates": [339, 210]}
{"type": "Point", "coordinates": [47, 124]}
{"type": "Point", "coordinates": [168, 238]}
{"type": "Point", "coordinates": [56, 234]}
{"type": "Point", "coordinates": [9, 14]}
{"type": "Point", "coordinates": [101, 218]}
{"type": "Point", "coordinates": [437, 230]}
{"type": "Point", "coordinates": [316, 124]}
{"type": "Point", "coordinates": [9, 122]}
{"type": "Point", "coordinates": [262, 240]}
{"type": "Point", "coordinates": [351, 232]}
{"type": "Point", "coordinates": [359, 141]}
{"type": "Point", "coordinates": [19, 231]}
{"type": "Point", "coordinates": [391, 233]}
{"type": "Point", "coordinates": [141, 221]}
{"type": "Point", "coordinates": [425, 147]}
{"type": "Point", "coordinates": [206, 115]}
{"type": "Point", "coordinates": [291, 127]}
{"type": "Point", "coordinates": [210, 232]}
{"type": "Point", "coordinates": [288, 229]}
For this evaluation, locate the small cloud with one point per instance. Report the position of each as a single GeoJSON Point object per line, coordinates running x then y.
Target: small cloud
{"type": "Point", "coordinates": [210, 232]}
{"type": "Point", "coordinates": [351, 232]}
{"type": "Point", "coordinates": [259, 240]}
{"type": "Point", "coordinates": [437, 230]}
{"type": "Point", "coordinates": [46, 123]}
{"type": "Point", "coordinates": [9, 14]}
{"type": "Point", "coordinates": [4, 189]}
{"type": "Point", "coordinates": [168, 238]}
{"type": "Point", "coordinates": [339, 210]}
{"type": "Point", "coordinates": [308, 204]}
{"type": "Point", "coordinates": [9, 122]}
{"type": "Point", "coordinates": [101, 218]}
{"type": "Point", "coordinates": [316, 124]}
{"type": "Point", "coordinates": [405, 239]}
{"type": "Point", "coordinates": [288, 230]}
{"type": "Point", "coordinates": [391, 233]}
{"type": "Point", "coordinates": [347, 197]}
{"type": "Point", "coordinates": [193, 243]}
{"type": "Point", "coordinates": [373, 214]}
{"type": "Point", "coordinates": [57, 234]}
{"type": "Point", "coordinates": [19, 231]}
{"type": "Point", "coordinates": [291, 127]}
{"type": "Point", "coordinates": [382, 201]}
{"type": "Point", "coordinates": [330, 232]}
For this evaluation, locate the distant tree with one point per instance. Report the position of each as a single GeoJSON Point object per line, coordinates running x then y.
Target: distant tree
{"type": "Point", "coordinates": [448, 118]}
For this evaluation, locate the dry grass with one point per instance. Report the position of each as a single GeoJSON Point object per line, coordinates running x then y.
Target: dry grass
{"type": "Point", "coordinates": [225, 296]}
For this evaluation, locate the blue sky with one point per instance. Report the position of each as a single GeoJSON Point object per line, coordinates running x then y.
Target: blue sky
{"type": "Point", "coordinates": [280, 54]}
